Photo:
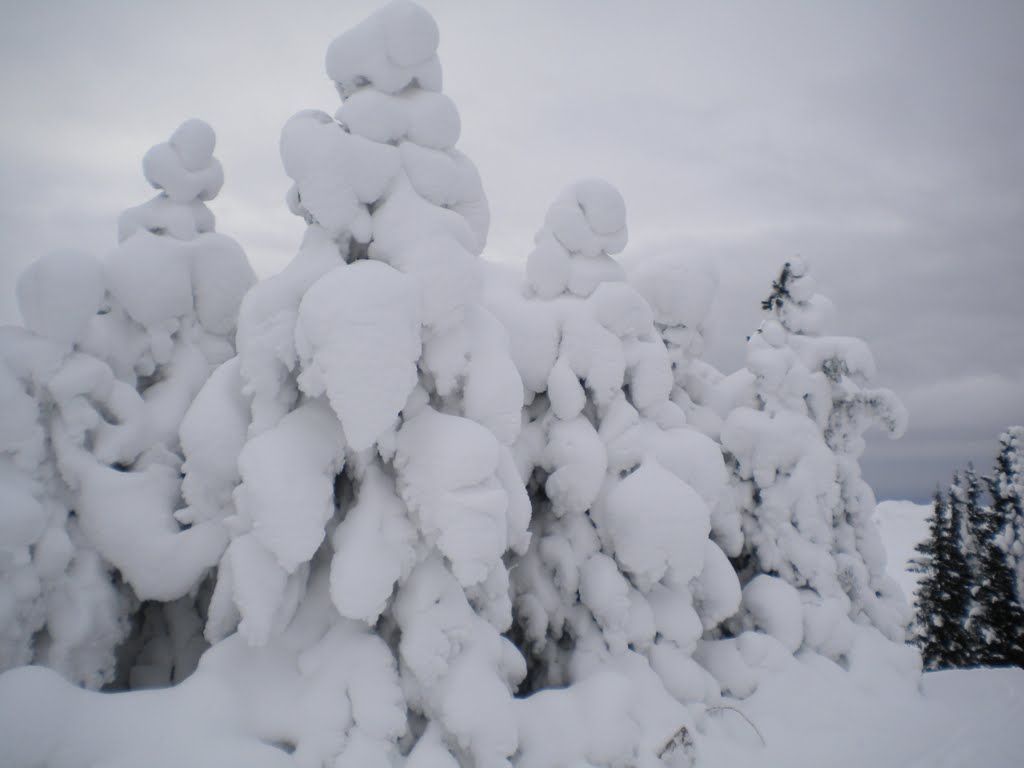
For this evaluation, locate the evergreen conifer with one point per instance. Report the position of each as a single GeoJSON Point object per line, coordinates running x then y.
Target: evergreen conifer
{"type": "Point", "coordinates": [997, 620]}
{"type": "Point", "coordinates": [944, 594]}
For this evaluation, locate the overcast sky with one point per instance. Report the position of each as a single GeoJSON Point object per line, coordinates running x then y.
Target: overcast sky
{"type": "Point", "coordinates": [883, 142]}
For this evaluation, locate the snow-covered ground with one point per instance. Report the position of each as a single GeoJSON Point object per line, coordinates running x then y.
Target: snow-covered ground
{"type": "Point", "coordinates": [811, 713]}
{"type": "Point", "coordinates": [903, 524]}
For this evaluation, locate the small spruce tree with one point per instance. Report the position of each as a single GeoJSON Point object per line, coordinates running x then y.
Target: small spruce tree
{"type": "Point", "coordinates": [930, 623]}
{"type": "Point", "coordinates": [943, 597]}
{"type": "Point", "coordinates": [1006, 486]}
{"type": "Point", "coordinates": [997, 619]}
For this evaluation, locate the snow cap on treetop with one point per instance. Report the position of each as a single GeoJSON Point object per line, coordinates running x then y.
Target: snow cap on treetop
{"type": "Point", "coordinates": [584, 225]}
{"type": "Point", "coordinates": [184, 166]}
{"type": "Point", "coordinates": [391, 49]}
{"type": "Point", "coordinates": [797, 266]}
{"type": "Point", "coordinates": [772, 332]}
{"type": "Point", "coordinates": [194, 141]}
{"type": "Point", "coordinates": [589, 218]}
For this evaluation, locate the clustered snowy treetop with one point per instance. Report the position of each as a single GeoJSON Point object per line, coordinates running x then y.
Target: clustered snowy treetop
{"type": "Point", "coordinates": [398, 506]}
{"type": "Point", "coordinates": [113, 353]}
{"type": "Point", "coordinates": [582, 230]}
{"type": "Point", "coordinates": [391, 50]}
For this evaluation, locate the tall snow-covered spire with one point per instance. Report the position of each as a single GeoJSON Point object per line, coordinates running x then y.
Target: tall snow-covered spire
{"type": "Point", "coordinates": [376, 493]}
{"type": "Point", "coordinates": [188, 176]}
{"type": "Point", "coordinates": [113, 354]}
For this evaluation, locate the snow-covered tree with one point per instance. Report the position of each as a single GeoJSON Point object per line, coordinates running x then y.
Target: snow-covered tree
{"type": "Point", "coordinates": [621, 579]}
{"type": "Point", "coordinates": [372, 410]}
{"type": "Point", "coordinates": [812, 562]}
{"type": "Point", "coordinates": [680, 291]}
{"type": "Point", "coordinates": [94, 388]}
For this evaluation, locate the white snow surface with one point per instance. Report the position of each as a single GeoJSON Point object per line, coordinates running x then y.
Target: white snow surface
{"type": "Point", "coordinates": [358, 338]}
{"type": "Point", "coordinates": [287, 489]}
{"type": "Point", "coordinates": [808, 711]}
{"type": "Point", "coordinates": [656, 522]}
{"type": "Point", "coordinates": [811, 713]}
{"type": "Point", "coordinates": [448, 477]}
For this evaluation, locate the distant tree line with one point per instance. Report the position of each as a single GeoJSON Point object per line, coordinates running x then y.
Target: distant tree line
{"type": "Point", "coordinates": [970, 601]}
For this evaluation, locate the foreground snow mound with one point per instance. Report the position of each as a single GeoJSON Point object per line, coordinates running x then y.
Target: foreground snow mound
{"type": "Point", "coordinates": [811, 713]}
{"type": "Point", "coordinates": [243, 708]}
{"type": "Point", "coordinates": [96, 386]}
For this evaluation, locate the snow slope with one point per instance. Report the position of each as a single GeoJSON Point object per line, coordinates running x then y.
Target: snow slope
{"type": "Point", "coordinates": [903, 524]}
{"type": "Point", "coordinates": [813, 714]}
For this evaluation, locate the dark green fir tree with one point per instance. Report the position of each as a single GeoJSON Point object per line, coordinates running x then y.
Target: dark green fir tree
{"type": "Point", "coordinates": [943, 596]}
{"type": "Point", "coordinates": [997, 618]}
